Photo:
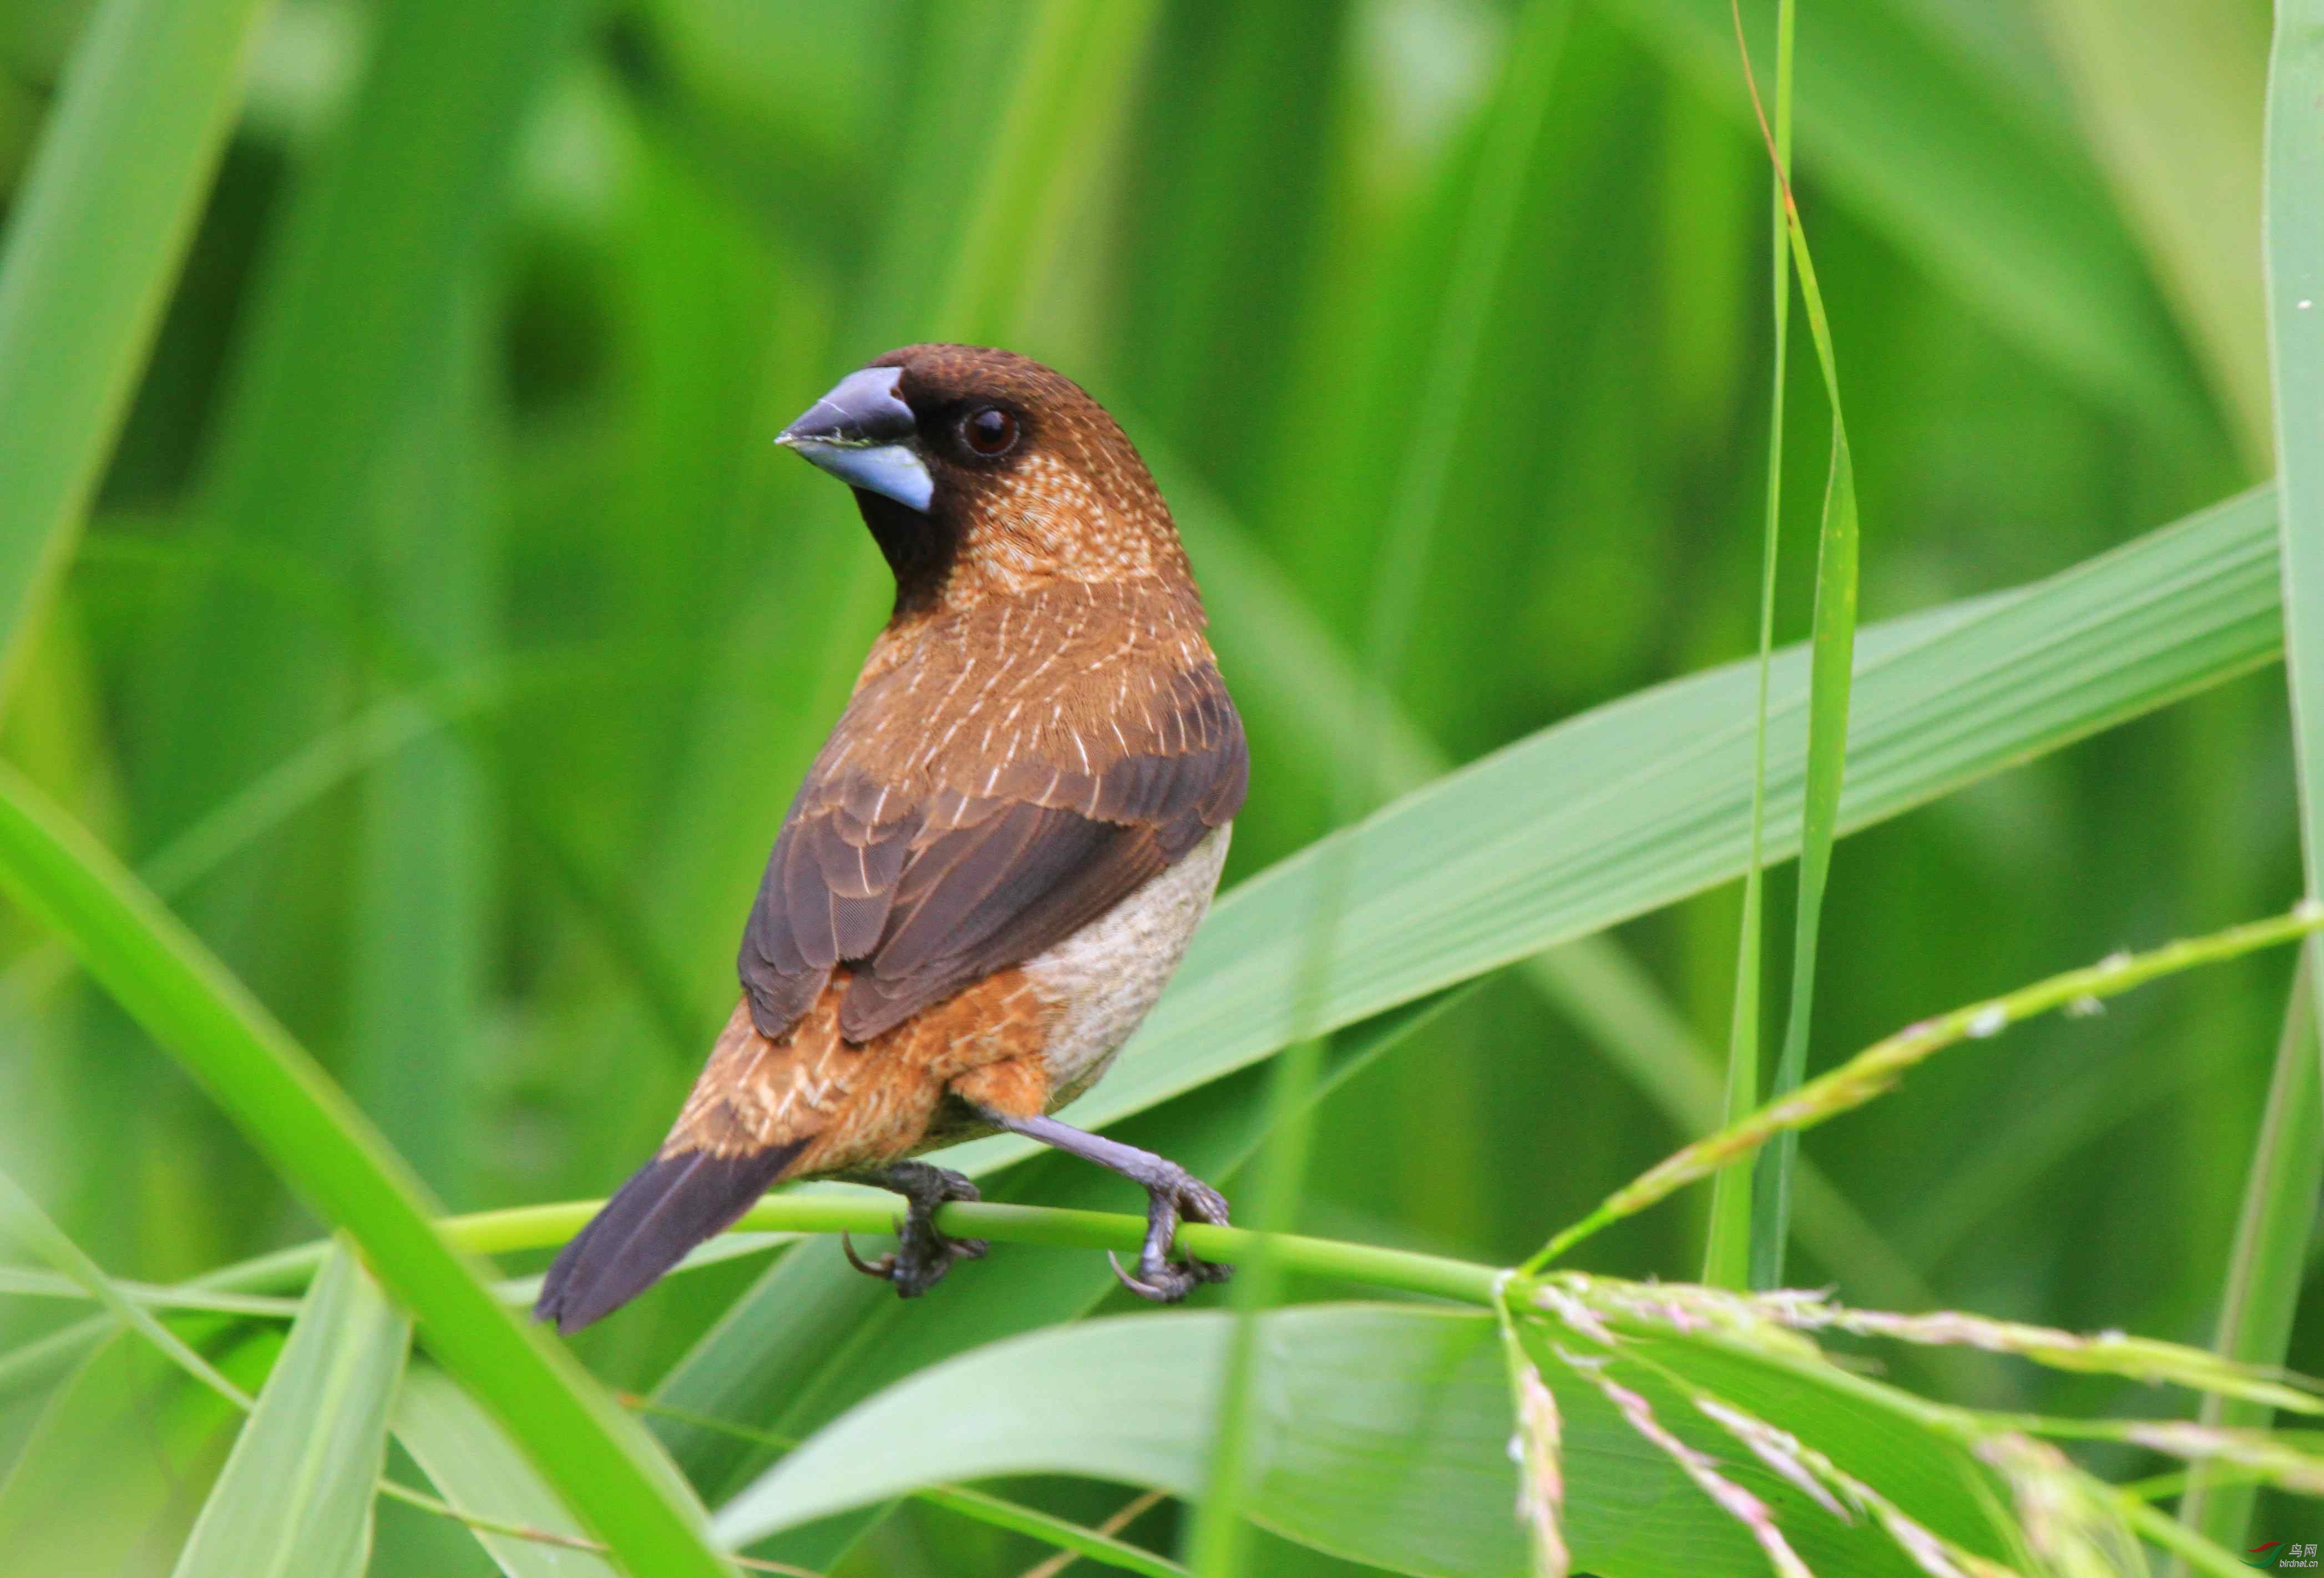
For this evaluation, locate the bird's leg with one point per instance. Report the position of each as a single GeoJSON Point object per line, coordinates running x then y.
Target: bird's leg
{"type": "Point", "coordinates": [922, 1255]}
{"type": "Point", "coordinates": [1171, 1193]}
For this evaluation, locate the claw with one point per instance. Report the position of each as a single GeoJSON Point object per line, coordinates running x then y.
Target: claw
{"type": "Point", "coordinates": [884, 1267]}
{"type": "Point", "coordinates": [922, 1254]}
{"type": "Point", "coordinates": [1143, 1289]}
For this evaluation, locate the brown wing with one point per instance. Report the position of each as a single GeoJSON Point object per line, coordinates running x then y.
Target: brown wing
{"type": "Point", "coordinates": [982, 799]}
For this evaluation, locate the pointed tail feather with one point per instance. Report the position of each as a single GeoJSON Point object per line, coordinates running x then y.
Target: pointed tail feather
{"type": "Point", "coordinates": [670, 1205]}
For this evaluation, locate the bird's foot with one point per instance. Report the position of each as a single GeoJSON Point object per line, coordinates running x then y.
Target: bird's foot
{"type": "Point", "coordinates": [922, 1254]}
{"type": "Point", "coordinates": [1170, 1196]}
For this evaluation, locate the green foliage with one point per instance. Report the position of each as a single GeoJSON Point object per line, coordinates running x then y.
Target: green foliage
{"type": "Point", "coordinates": [442, 636]}
{"type": "Point", "coordinates": [1832, 665]}
{"type": "Point", "coordinates": [483, 1474]}
{"type": "Point", "coordinates": [179, 993]}
{"type": "Point", "coordinates": [96, 232]}
{"type": "Point", "coordinates": [296, 1493]}
{"type": "Point", "coordinates": [2264, 1272]}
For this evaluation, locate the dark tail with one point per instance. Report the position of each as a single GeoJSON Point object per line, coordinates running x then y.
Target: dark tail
{"type": "Point", "coordinates": [670, 1205]}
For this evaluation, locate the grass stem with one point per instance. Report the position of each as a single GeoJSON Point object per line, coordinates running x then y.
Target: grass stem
{"type": "Point", "coordinates": [1727, 1255]}
{"type": "Point", "coordinates": [1832, 667]}
{"type": "Point", "coordinates": [2269, 1262]}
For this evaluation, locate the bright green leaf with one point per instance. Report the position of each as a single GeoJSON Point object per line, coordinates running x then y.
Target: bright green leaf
{"type": "Point", "coordinates": [296, 1497]}
{"type": "Point", "coordinates": [93, 239]}
{"type": "Point", "coordinates": [479, 1470]}
{"type": "Point", "coordinates": [1382, 1436]}
{"type": "Point", "coordinates": [23, 1220]}
{"type": "Point", "coordinates": [165, 979]}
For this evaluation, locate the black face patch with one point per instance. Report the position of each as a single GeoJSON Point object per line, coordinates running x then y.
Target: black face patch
{"type": "Point", "coordinates": [980, 430]}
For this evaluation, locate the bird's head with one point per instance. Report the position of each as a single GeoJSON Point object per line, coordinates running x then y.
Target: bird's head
{"type": "Point", "coordinates": [981, 473]}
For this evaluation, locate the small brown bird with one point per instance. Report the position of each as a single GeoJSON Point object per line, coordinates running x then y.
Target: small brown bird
{"type": "Point", "coordinates": [996, 862]}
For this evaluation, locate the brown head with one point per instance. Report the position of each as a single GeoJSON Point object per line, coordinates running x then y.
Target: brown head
{"type": "Point", "coordinates": [981, 473]}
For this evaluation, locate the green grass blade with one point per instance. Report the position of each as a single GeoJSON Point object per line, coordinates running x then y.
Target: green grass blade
{"type": "Point", "coordinates": [23, 1220]}
{"type": "Point", "coordinates": [1294, 680]}
{"type": "Point", "coordinates": [1404, 1388]}
{"type": "Point", "coordinates": [1086, 1543]}
{"type": "Point", "coordinates": [1962, 169]}
{"type": "Point", "coordinates": [38, 1362]}
{"type": "Point", "coordinates": [398, 204]}
{"type": "Point", "coordinates": [145, 1295]}
{"type": "Point", "coordinates": [93, 239]}
{"type": "Point", "coordinates": [421, 903]}
{"type": "Point", "coordinates": [296, 1496]}
{"type": "Point", "coordinates": [2170, 98]}
{"type": "Point", "coordinates": [481, 1472]}
{"type": "Point", "coordinates": [165, 979]}
{"type": "Point", "coordinates": [2268, 1262]}
{"type": "Point", "coordinates": [1481, 263]}
{"type": "Point", "coordinates": [1291, 672]}
{"type": "Point", "coordinates": [2295, 300]}
{"type": "Point", "coordinates": [1387, 1441]}
{"type": "Point", "coordinates": [2265, 1270]}
{"type": "Point", "coordinates": [1833, 644]}
{"type": "Point", "coordinates": [1727, 1255]}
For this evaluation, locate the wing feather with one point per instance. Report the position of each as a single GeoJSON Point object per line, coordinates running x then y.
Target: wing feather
{"type": "Point", "coordinates": [926, 869]}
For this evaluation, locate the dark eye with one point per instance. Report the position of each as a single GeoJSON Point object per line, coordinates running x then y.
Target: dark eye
{"type": "Point", "coordinates": [990, 432]}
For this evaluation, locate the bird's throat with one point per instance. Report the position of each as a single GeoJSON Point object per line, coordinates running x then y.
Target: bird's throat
{"type": "Point", "coordinates": [920, 550]}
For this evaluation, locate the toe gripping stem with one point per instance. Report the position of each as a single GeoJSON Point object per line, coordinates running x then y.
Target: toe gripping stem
{"type": "Point", "coordinates": [922, 1254]}
{"type": "Point", "coordinates": [1172, 1194]}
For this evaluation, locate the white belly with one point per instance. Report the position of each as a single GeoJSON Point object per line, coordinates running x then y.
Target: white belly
{"type": "Point", "coordinates": [1108, 974]}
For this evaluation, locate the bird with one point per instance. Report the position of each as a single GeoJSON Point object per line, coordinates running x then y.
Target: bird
{"type": "Point", "coordinates": [995, 863]}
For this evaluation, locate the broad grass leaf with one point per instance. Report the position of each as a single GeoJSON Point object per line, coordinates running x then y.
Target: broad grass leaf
{"type": "Point", "coordinates": [1831, 668]}
{"type": "Point", "coordinates": [477, 1468]}
{"type": "Point", "coordinates": [1929, 1475]}
{"type": "Point", "coordinates": [295, 1500]}
{"type": "Point", "coordinates": [2295, 281]}
{"type": "Point", "coordinates": [2261, 1290]}
{"type": "Point", "coordinates": [1383, 1435]}
{"type": "Point", "coordinates": [166, 981]}
{"type": "Point", "coordinates": [2169, 104]}
{"type": "Point", "coordinates": [1292, 680]}
{"type": "Point", "coordinates": [95, 236]}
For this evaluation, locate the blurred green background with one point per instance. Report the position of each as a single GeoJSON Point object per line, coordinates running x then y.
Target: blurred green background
{"type": "Point", "coordinates": [449, 636]}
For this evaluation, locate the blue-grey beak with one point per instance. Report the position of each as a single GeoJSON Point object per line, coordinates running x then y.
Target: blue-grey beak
{"type": "Point", "coordinates": [865, 435]}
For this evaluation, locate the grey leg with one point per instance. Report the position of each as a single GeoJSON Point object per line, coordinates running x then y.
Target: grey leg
{"type": "Point", "coordinates": [922, 1255]}
{"type": "Point", "coordinates": [1171, 1193]}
